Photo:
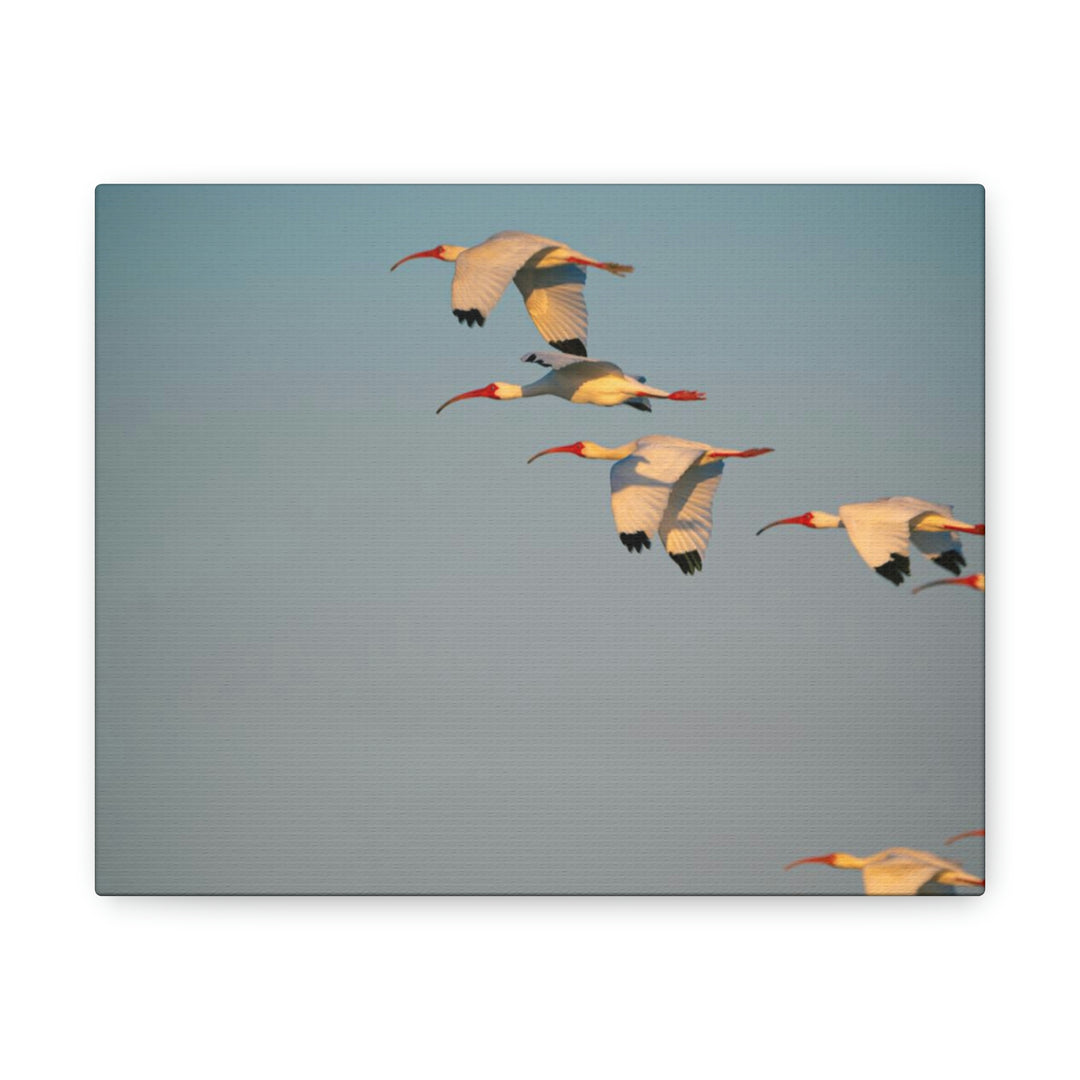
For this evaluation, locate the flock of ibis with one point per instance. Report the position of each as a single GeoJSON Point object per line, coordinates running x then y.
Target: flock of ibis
{"type": "Point", "coordinates": [659, 483]}
{"type": "Point", "coordinates": [665, 485]}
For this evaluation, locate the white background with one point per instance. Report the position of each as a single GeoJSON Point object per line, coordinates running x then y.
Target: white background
{"type": "Point", "coordinates": [119, 92]}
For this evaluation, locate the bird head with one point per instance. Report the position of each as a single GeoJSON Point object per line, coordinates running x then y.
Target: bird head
{"type": "Point", "coordinates": [812, 519]}
{"type": "Point", "coordinates": [500, 391]}
{"type": "Point", "coordinates": [582, 449]}
{"type": "Point", "coordinates": [840, 859]}
{"type": "Point", "coordinates": [446, 252]}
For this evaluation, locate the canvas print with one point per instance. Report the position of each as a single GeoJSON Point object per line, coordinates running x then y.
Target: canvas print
{"type": "Point", "coordinates": [366, 624]}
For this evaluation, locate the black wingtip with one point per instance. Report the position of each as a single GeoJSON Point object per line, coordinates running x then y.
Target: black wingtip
{"type": "Point", "coordinates": [573, 346]}
{"type": "Point", "coordinates": [641, 404]}
{"type": "Point", "coordinates": [635, 541]}
{"type": "Point", "coordinates": [687, 561]}
{"type": "Point", "coordinates": [951, 560]}
{"type": "Point", "coordinates": [895, 569]}
{"type": "Point", "coordinates": [470, 317]}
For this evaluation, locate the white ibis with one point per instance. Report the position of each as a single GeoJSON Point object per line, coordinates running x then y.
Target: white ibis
{"type": "Point", "coordinates": [662, 483]}
{"type": "Point", "coordinates": [963, 835]}
{"type": "Point", "coordinates": [582, 380]}
{"type": "Point", "coordinates": [900, 872]}
{"type": "Point", "coordinates": [549, 275]}
{"type": "Point", "coordinates": [972, 581]}
{"type": "Point", "coordinates": [882, 531]}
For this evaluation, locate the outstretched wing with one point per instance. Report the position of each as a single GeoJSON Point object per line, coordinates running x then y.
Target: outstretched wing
{"type": "Point", "coordinates": [555, 299]}
{"type": "Point", "coordinates": [881, 533]}
{"type": "Point", "coordinates": [641, 486]}
{"type": "Point", "coordinates": [557, 360]}
{"type": "Point", "coordinates": [905, 872]}
{"type": "Point", "coordinates": [943, 548]}
{"type": "Point", "coordinates": [481, 273]}
{"type": "Point", "coordinates": [686, 525]}
{"type": "Point", "coordinates": [588, 367]}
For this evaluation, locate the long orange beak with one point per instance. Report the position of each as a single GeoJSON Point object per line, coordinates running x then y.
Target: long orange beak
{"type": "Point", "coordinates": [813, 858]}
{"type": "Point", "coordinates": [484, 391]}
{"type": "Point", "coordinates": [970, 832]}
{"type": "Point", "coordinates": [573, 448]}
{"type": "Point", "coordinates": [802, 519]}
{"type": "Point", "coordinates": [432, 254]}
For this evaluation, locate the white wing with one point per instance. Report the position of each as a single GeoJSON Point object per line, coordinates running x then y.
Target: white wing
{"type": "Point", "coordinates": [555, 299]}
{"type": "Point", "coordinates": [904, 872]}
{"type": "Point", "coordinates": [918, 507]}
{"type": "Point", "coordinates": [557, 360]}
{"type": "Point", "coordinates": [943, 548]}
{"type": "Point", "coordinates": [881, 532]}
{"type": "Point", "coordinates": [482, 272]}
{"type": "Point", "coordinates": [641, 485]}
{"type": "Point", "coordinates": [896, 877]}
{"type": "Point", "coordinates": [687, 522]}
{"type": "Point", "coordinates": [584, 368]}
{"type": "Point", "coordinates": [933, 544]}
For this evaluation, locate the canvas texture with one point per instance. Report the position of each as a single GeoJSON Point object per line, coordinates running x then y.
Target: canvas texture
{"type": "Point", "coordinates": [350, 644]}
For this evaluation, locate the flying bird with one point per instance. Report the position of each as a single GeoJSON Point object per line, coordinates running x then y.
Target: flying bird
{"type": "Point", "coordinates": [972, 581]}
{"type": "Point", "coordinates": [961, 836]}
{"type": "Point", "coordinates": [549, 275]}
{"type": "Point", "coordinates": [882, 532]}
{"type": "Point", "coordinates": [900, 872]}
{"type": "Point", "coordinates": [665, 484]}
{"type": "Point", "coordinates": [582, 380]}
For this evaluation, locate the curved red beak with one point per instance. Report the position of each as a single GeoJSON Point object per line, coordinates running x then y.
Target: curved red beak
{"type": "Point", "coordinates": [573, 448]}
{"type": "Point", "coordinates": [971, 581]}
{"type": "Point", "coordinates": [932, 584]}
{"type": "Point", "coordinates": [432, 254]}
{"type": "Point", "coordinates": [813, 858]}
{"type": "Point", "coordinates": [484, 391]}
{"type": "Point", "coordinates": [802, 519]}
{"type": "Point", "coordinates": [970, 832]}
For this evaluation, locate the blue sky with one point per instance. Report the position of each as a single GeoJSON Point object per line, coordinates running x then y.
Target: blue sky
{"type": "Point", "coordinates": [347, 645]}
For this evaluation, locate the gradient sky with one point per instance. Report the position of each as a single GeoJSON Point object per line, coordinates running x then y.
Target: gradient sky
{"type": "Point", "coordinates": [345, 645]}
